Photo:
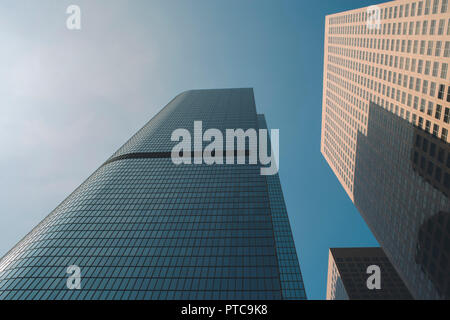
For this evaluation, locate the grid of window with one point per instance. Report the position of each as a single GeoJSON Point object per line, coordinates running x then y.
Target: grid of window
{"type": "Point", "coordinates": [335, 286]}
{"type": "Point", "coordinates": [349, 266]}
{"type": "Point", "coordinates": [432, 251]}
{"type": "Point", "coordinates": [145, 228]}
{"type": "Point", "coordinates": [395, 195]}
{"type": "Point", "coordinates": [403, 67]}
{"type": "Point", "coordinates": [290, 275]}
{"type": "Point", "coordinates": [431, 160]}
{"type": "Point", "coordinates": [235, 109]}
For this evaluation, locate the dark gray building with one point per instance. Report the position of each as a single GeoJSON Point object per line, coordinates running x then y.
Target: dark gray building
{"type": "Point", "coordinates": [142, 227]}
{"type": "Point", "coordinates": [348, 275]}
{"type": "Point", "coordinates": [401, 187]}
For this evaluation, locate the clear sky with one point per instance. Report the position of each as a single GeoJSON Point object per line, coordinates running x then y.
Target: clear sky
{"type": "Point", "coordinates": [69, 99]}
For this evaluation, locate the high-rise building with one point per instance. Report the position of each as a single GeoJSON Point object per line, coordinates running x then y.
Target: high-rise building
{"type": "Point", "coordinates": [385, 123]}
{"type": "Point", "coordinates": [142, 227]}
{"type": "Point", "coordinates": [349, 269]}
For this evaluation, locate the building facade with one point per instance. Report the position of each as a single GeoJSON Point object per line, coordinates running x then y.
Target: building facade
{"type": "Point", "coordinates": [347, 276]}
{"type": "Point", "coordinates": [386, 90]}
{"type": "Point", "coordinates": [142, 227]}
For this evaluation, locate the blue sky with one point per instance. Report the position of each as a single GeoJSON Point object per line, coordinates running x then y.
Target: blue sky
{"type": "Point", "coordinates": [69, 99]}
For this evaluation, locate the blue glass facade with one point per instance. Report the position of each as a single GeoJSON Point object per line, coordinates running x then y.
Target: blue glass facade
{"type": "Point", "coordinates": [290, 274]}
{"type": "Point", "coordinates": [141, 227]}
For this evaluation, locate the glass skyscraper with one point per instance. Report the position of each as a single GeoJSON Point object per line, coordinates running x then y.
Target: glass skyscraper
{"type": "Point", "coordinates": [141, 227]}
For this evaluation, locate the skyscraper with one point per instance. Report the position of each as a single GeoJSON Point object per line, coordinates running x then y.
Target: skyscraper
{"type": "Point", "coordinates": [347, 276]}
{"type": "Point", "coordinates": [142, 227]}
{"type": "Point", "coordinates": [386, 90]}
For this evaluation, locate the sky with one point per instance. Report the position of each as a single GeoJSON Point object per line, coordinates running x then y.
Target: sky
{"type": "Point", "coordinates": [70, 98]}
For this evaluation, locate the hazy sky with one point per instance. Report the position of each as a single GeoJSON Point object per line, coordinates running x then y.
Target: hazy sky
{"type": "Point", "coordinates": [69, 99]}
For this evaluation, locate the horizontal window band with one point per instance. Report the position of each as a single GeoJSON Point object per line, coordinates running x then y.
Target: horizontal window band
{"type": "Point", "coordinates": [160, 155]}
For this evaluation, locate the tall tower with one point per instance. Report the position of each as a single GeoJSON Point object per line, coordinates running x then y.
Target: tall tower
{"type": "Point", "coordinates": [387, 90]}
{"type": "Point", "coordinates": [142, 227]}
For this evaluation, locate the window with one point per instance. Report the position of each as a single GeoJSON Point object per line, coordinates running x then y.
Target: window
{"type": "Point", "coordinates": [424, 27]}
{"type": "Point", "coordinates": [444, 134]}
{"type": "Point", "coordinates": [423, 162]}
{"type": "Point", "coordinates": [422, 105]}
{"type": "Point", "coordinates": [435, 68]}
{"type": "Point", "coordinates": [444, 6]}
{"type": "Point", "coordinates": [430, 47]}
{"type": "Point", "coordinates": [420, 123]}
{"type": "Point", "coordinates": [447, 49]}
{"type": "Point", "coordinates": [440, 156]}
{"type": "Point", "coordinates": [441, 92]}
{"type": "Point", "coordinates": [432, 88]}
{"type": "Point", "coordinates": [447, 180]}
{"type": "Point", "coordinates": [430, 168]}
{"type": "Point", "coordinates": [427, 126]}
{"type": "Point", "coordinates": [435, 130]}
{"type": "Point", "coordinates": [444, 70]}
{"type": "Point", "coordinates": [427, 67]}
{"type": "Point", "coordinates": [438, 174]}
{"type": "Point", "coordinates": [425, 145]}
{"type": "Point", "coordinates": [435, 6]}
{"type": "Point", "coordinates": [438, 111]}
{"type": "Point", "coordinates": [422, 47]}
{"type": "Point", "coordinates": [447, 115]}
{"type": "Point", "coordinates": [437, 51]}
{"type": "Point", "coordinates": [430, 108]}
{"type": "Point", "coordinates": [432, 26]}
{"type": "Point", "coordinates": [425, 87]}
{"type": "Point", "coordinates": [441, 27]}
{"type": "Point", "coordinates": [432, 150]}
{"type": "Point", "coordinates": [427, 7]}
{"type": "Point", "coordinates": [420, 64]}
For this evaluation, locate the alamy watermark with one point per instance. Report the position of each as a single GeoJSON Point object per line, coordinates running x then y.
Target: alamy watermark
{"type": "Point", "coordinates": [73, 21]}
{"type": "Point", "coordinates": [373, 18]}
{"type": "Point", "coordinates": [74, 279]}
{"type": "Point", "coordinates": [233, 149]}
{"type": "Point", "coordinates": [374, 280]}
